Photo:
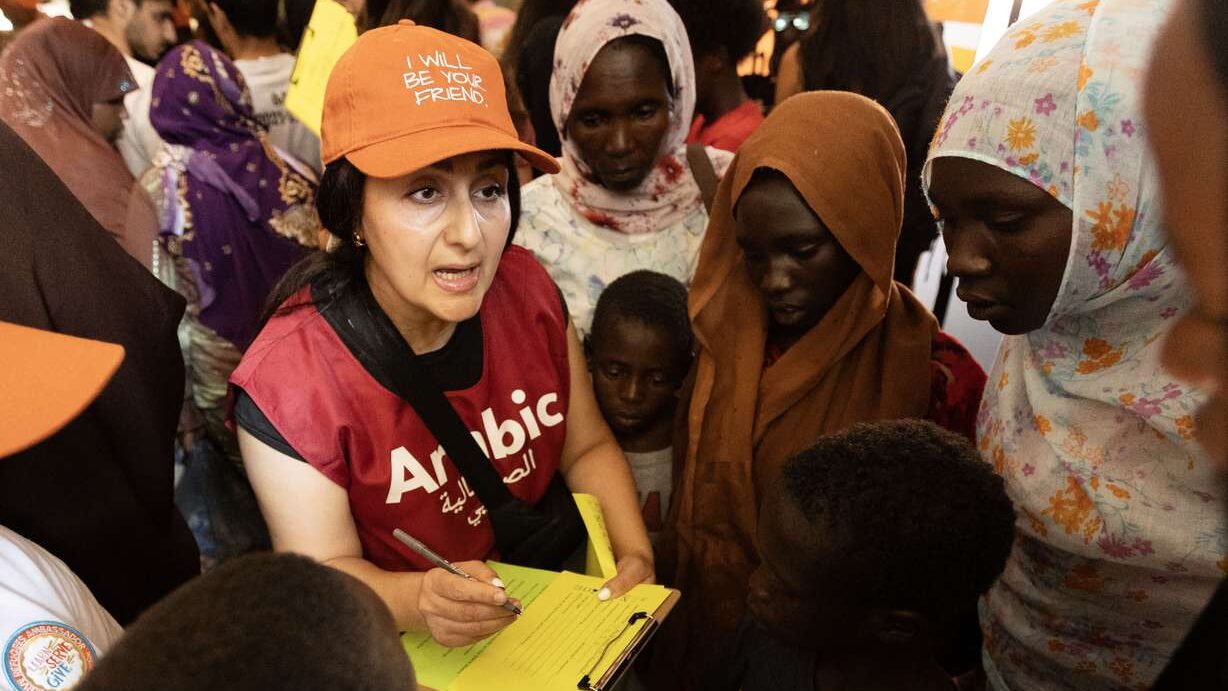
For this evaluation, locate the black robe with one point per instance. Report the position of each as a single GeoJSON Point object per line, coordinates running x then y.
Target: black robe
{"type": "Point", "coordinates": [99, 493]}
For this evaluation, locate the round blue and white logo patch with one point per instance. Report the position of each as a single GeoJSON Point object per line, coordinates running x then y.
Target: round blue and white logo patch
{"type": "Point", "coordinates": [47, 656]}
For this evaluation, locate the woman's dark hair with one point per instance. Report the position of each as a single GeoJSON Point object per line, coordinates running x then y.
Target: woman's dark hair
{"type": "Point", "coordinates": [339, 202]}
{"type": "Point", "coordinates": [869, 47]}
{"type": "Point", "coordinates": [449, 16]}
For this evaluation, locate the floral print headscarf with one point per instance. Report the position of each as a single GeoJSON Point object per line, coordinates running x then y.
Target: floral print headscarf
{"type": "Point", "coordinates": [1120, 538]}
{"type": "Point", "coordinates": [669, 193]}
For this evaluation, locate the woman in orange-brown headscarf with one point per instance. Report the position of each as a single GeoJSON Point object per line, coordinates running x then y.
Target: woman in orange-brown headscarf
{"type": "Point", "coordinates": [61, 89]}
{"type": "Point", "coordinates": [800, 332]}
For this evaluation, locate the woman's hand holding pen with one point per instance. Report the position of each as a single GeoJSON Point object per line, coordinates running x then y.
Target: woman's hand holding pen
{"type": "Point", "coordinates": [633, 569]}
{"type": "Point", "coordinates": [459, 611]}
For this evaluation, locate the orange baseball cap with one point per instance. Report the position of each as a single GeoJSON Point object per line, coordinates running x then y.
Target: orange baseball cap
{"type": "Point", "coordinates": [47, 379]}
{"type": "Point", "coordinates": [406, 96]}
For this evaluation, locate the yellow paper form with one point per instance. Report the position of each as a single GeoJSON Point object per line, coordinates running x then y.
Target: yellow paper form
{"type": "Point", "coordinates": [437, 666]}
{"type": "Point", "coordinates": [330, 32]}
{"type": "Point", "coordinates": [566, 634]}
{"type": "Point", "coordinates": [600, 558]}
{"type": "Point", "coordinates": [967, 11]}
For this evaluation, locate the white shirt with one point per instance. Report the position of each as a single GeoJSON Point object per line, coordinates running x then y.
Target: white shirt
{"type": "Point", "coordinates": [268, 79]}
{"type": "Point", "coordinates": [138, 142]}
{"type": "Point", "coordinates": [654, 480]}
{"type": "Point", "coordinates": [583, 257]}
{"type": "Point", "coordinates": [51, 628]}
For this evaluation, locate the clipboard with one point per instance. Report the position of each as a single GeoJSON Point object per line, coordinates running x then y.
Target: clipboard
{"type": "Point", "coordinates": [550, 648]}
{"type": "Point", "coordinates": [622, 664]}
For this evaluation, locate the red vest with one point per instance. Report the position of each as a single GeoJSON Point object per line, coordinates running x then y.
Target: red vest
{"type": "Point", "coordinates": [369, 441]}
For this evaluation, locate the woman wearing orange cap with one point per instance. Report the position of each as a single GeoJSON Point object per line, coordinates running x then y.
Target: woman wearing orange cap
{"type": "Point", "coordinates": [424, 374]}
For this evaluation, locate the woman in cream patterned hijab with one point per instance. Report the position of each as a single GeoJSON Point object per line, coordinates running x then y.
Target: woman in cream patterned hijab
{"type": "Point", "coordinates": [1120, 540]}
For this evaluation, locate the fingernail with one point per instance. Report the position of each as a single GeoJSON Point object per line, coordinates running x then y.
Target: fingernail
{"type": "Point", "coordinates": [500, 597]}
{"type": "Point", "coordinates": [498, 583]}
{"type": "Point", "coordinates": [604, 594]}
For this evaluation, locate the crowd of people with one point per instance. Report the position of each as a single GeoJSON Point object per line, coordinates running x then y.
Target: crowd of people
{"type": "Point", "coordinates": [569, 248]}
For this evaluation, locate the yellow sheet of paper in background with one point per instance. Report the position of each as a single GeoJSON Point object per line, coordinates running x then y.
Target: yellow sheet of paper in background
{"type": "Point", "coordinates": [968, 11]}
{"type": "Point", "coordinates": [437, 666]}
{"type": "Point", "coordinates": [329, 34]}
{"type": "Point", "coordinates": [600, 558]}
{"type": "Point", "coordinates": [561, 638]}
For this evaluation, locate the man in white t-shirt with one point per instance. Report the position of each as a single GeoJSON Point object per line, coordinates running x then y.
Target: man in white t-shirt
{"type": "Point", "coordinates": [52, 630]}
{"type": "Point", "coordinates": [247, 30]}
{"type": "Point", "coordinates": [140, 29]}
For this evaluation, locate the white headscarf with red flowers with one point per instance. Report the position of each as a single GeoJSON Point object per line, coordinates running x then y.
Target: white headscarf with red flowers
{"type": "Point", "coordinates": [669, 193]}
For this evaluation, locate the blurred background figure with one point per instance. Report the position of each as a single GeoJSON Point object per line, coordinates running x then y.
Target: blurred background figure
{"type": "Point", "coordinates": [247, 30]}
{"type": "Point", "coordinates": [292, 19]}
{"type": "Point", "coordinates": [494, 23]}
{"type": "Point", "coordinates": [528, 16]}
{"type": "Point", "coordinates": [792, 20]}
{"type": "Point", "coordinates": [62, 89]}
{"type": "Point", "coordinates": [528, 61]}
{"type": "Point", "coordinates": [266, 621]}
{"type": "Point", "coordinates": [532, 73]}
{"type": "Point", "coordinates": [141, 31]}
{"type": "Point", "coordinates": [1190, 67]}
{"type": "Point", "coordinates": [98, 494]}
{"type": "Point", "coordinates": [722, 33]}
{"type": "Point", "coordinates": [234, 216]}
{"type": "Point", "coordinates": [889, 51]}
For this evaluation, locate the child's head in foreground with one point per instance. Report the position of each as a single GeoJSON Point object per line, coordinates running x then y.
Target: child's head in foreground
{"type": "Point", "coordinates": [263, 621]}
{"type": "Point", "coordinates": [882, 535]}
{"type": "Point", "coordinates": [639, 351]}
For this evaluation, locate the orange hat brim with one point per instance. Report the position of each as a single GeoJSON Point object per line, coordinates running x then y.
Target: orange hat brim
{"type": "Point", "coordinates": [46, 380]}
{"type": "Point", "coordinates": [403, 155]}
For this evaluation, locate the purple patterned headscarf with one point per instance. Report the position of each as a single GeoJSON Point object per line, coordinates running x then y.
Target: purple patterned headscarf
{"type": "Point", "coordinates": [237, 214]}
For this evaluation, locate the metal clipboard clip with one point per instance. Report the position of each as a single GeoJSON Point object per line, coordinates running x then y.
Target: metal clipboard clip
{"type": "Point", "coordinates": [622, 663]}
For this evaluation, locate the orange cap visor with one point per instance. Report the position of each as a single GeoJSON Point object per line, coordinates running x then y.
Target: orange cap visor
{"type": "Point", "coordinates": [46, 380]}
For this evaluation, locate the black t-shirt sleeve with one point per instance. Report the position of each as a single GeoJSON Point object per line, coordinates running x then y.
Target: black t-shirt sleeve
{"type": "Point", "coordinates": [253, 420]}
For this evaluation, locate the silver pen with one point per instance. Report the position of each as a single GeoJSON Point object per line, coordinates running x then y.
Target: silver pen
{"type": "Point", "coordinates": [430, 555]}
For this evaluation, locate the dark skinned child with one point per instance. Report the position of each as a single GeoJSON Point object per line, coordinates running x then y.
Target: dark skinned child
{"type": "Point", "coordinates": [876, 543]}
{"type": "Point", "coordinates": [639, 352]}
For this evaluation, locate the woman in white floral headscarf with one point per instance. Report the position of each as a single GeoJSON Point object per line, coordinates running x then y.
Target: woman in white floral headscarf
{"type": "Point", "coordinates": [623, 96]}
{"type": "Point", "coordinates": [1048, 196]}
